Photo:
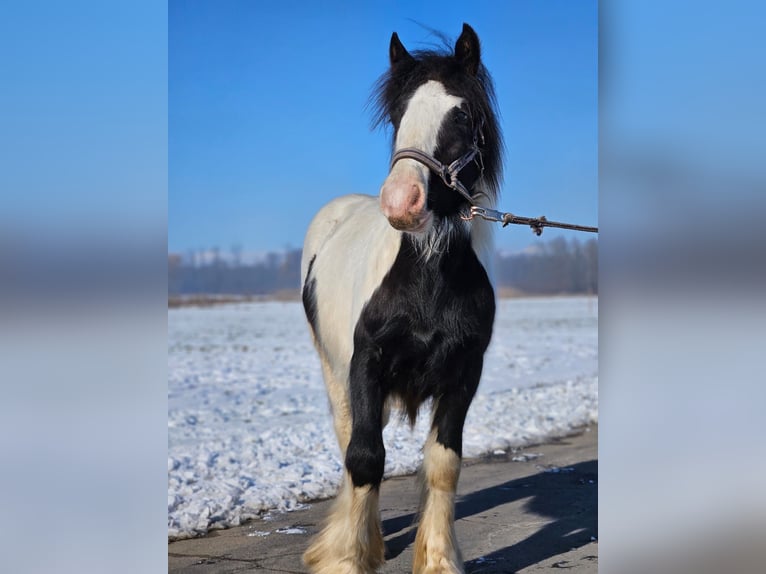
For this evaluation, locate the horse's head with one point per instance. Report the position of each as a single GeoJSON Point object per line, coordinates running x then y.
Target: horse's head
{"type": "Point", "coordinates": [440, 104]}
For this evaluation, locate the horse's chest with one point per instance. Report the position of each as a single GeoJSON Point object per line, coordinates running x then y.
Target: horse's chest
{"type": "Point", "coordinates": [425, 317]}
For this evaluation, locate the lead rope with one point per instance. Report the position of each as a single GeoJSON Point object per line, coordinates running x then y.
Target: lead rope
{"type": "Point", "coordinates": [536, 223]}
{"type": "Point", "coordinates": [449, 175]}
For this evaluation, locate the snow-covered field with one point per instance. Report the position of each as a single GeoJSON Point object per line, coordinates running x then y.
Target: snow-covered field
{"type": "Point", "coordinates": [249, 428]}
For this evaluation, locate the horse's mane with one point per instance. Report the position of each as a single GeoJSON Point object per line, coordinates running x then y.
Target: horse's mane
{"type": "Point", "coordinates": [401, 80]}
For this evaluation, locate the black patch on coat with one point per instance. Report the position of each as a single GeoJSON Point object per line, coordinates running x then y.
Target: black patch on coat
{"type": "Point", "coordinates": [365, 458]}
{"type": "Point", "coordinates": [309, 297]}
{"type": "Point", "coordinates": [422, 334]}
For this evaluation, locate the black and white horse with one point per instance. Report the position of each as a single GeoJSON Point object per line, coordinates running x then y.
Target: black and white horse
{"type": "Point", "coordinates": [398, 295]}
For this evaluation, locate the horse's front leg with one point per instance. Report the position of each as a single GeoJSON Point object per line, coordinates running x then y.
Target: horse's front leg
{"type": "Point", "coordinates": [352, 542]}
{"type": "Point", "coordinates": [436, 547]}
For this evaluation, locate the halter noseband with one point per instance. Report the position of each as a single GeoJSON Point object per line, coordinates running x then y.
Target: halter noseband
{"type": "Point", "coordinates": [448, 173]}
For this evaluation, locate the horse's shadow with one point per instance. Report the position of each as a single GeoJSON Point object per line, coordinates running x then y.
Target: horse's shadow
{"type": "Point", "coordinates": [569, 497]}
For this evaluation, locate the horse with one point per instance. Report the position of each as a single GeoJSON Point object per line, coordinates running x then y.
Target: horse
{"type": "Point", "coordinates": [397, 294]}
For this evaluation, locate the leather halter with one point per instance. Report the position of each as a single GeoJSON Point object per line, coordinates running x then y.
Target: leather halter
{"type": "Point", "coordinates": [448, 173]}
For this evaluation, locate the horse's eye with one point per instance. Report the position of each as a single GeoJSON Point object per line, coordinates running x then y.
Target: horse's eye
{"type": "Point", "coordinates": [461, 117]}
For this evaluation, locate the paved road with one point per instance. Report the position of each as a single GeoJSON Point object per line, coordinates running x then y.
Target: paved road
{"type": "Point", "coordinates": [532, 514]}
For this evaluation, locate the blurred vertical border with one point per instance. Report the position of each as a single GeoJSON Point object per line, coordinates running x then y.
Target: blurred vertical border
{"type": "Point", "coordinates": [83, 289]}
{"type": "Point", "coordinates": [682, 197]}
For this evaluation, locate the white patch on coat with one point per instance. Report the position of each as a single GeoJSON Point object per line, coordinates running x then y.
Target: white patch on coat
{"type": "Point", "coordinates": [355, 247]}
{"type": "Point", "coordinates": [420, 125]}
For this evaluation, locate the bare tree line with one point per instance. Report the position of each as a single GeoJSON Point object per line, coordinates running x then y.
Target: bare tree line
{"type": "Point", "coordinates": [559, 266]}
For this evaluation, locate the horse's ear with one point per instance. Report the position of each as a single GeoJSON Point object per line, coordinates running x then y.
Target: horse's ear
{"type": "Point", "coordinates": [467, 50]}
{"type": "Point", "coordinates": [396, 51]}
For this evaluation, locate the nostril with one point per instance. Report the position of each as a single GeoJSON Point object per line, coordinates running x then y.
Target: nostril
{"type": "Point", "coordinates": [416, 198]}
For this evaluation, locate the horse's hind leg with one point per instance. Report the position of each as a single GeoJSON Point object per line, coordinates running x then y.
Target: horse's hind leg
{"type": "Point", "coordinates": [436, 549]}
{"type": "Point", "coordinates": [351, 541]}
{"type": "Point", "coordinates": [337, 391]}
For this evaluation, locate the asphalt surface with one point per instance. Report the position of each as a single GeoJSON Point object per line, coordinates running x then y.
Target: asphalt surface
{"type": "Point", "coordinates": [526, 511]}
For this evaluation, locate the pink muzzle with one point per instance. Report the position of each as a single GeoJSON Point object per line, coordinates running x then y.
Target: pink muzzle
{"type": "Point", "coordinates": [403, 200]}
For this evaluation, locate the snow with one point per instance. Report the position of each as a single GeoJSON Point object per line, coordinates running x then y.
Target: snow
{"type": "Point", "coordinates": [292, 530]}
{"type": "Point", "coordinates": [249, 429]}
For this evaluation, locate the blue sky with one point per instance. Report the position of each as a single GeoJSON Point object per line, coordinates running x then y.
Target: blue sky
{"type": "Point", "coordinates": [267, 117]}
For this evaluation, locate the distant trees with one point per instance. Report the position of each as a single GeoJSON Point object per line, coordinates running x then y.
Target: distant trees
{"type": "Point", "coordinates": [557, 266]}
{"type": "Point", "coordinates": [210, 273]}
